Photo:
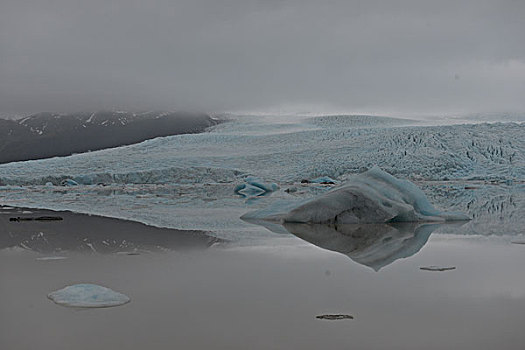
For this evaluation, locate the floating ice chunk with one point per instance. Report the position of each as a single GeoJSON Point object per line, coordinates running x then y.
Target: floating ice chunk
{"type": "Point", "coordinates": [69, 182]}
{"type": "Point", "coordinates": [371, 197]}
{"type": "Point", "coordinates": [258, 183]}
{"type": "Point", "coordinates": [248, 190]}
{"type": "Point", "coordinates": [133, 252]}
{"type": "Point", "coordinates": [255, 187]}
{"type": "Point", "coordinates": [323, 180]}
{"type": "Point", "coordinates": [89, 296]}
{"type": "Point", "coordinates": [50, 258]}
{"type": "Point", "coordinates": [86, 179]}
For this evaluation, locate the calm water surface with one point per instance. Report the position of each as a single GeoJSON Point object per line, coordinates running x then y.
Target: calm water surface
{"type": "Point", "coordinates": [266, 295]}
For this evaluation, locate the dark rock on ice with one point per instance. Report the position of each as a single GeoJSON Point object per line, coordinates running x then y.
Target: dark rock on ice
{"type": "Point", "coordinates": [38, 218]}
{"type": "Point", "coordinates": [49, 218]}
{"type": "Point", "coordinates": [324, 180]}
{"type": "Point", "coordinates": [291, 190]}
{"type": "Point", "coordinates": [335, 317]}
{"type": "Point", "coordinates": [437, 268]}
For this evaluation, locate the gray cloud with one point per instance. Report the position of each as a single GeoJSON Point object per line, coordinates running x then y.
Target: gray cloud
{"type": "Point", "coordinates": [406, 56]}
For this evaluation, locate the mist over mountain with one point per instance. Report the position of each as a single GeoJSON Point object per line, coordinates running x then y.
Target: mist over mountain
{"type": "Point", "coordinates": [45, 135]}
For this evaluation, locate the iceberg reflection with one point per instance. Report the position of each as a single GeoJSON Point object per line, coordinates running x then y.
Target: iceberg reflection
{"type": "Point", "coordinates": [372, 245]}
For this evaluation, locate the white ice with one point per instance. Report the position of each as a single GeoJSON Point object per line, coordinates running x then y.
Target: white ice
{"type": "Point", "coordinates": [255, 187]}
{"type": "Point", "coordinates": [303, 149]}
{"type": "Point", "coordinates": [371, 197]}
{"type": "Point", "coordinates": [187, 181]}
{"type": "Point", "coordinates": [88, 296]}
{"type": "Point", "coordinates": [51, 258]}
{"type": "Point", "coordinates": [323, 179]}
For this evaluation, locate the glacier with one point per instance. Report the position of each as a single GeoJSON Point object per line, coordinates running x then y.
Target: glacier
{"type": "Point", "coordinates": [443, 152]}
{"type": "Point", "coordinates": [188, 181]}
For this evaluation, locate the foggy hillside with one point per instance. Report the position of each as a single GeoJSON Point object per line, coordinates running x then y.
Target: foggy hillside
{"type": "Point", "coordinates": [47, 135]}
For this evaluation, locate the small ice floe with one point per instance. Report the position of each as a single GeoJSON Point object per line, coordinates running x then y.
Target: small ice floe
{"type": "Point", "coordinates": [50, 258]}
{"type": "Point", "coordinates": [133, 252]}
{"type": "Point", "coordinates": [247, 190]}
{"type": "Point", "coordinates": [88, 296]}
{"type": "Point", "coordinates": [437, 268]}
{"type": "Point", "coordinates": [69, 182]}
{"type": "Point", "coordinates": [255, 187]}
{"type": "Point", "coordinates": [335, 317]}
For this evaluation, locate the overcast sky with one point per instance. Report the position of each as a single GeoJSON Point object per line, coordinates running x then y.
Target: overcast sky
{"type": "Point", "coordinates": [229, 55]}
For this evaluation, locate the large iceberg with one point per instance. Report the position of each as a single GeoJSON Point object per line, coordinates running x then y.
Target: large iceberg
{"type": "Point", "coordinates": [88, 295]}
{"type": "Point", "coordinates": [371, 197]}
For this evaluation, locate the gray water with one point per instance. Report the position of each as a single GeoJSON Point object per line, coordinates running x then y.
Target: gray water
{"type": "Point", "coordinates": [267, 295]}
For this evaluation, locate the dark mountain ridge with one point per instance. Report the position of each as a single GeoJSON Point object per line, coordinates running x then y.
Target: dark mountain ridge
{"type": "Point", "coordinates": [46, 135]}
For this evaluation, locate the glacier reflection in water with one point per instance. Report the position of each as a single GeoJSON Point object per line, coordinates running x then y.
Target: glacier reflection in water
{"type": "Point", "coordinates": [92, 234]}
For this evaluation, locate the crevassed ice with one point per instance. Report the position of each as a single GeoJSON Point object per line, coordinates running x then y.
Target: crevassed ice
{"type": "Point", "coordinates": [476, 151]}
{"type": "Point", "coordinates": [188, 181]}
